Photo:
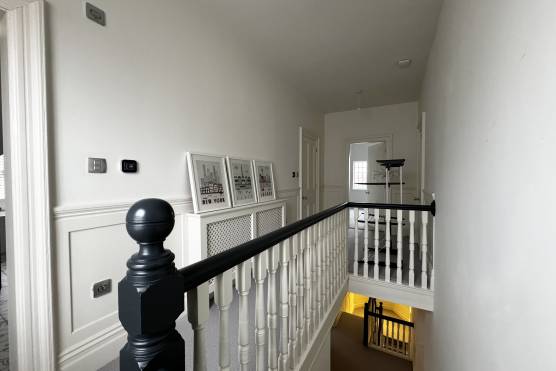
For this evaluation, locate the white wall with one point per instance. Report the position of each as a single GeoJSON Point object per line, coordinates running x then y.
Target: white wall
{"type": "Point", "coordinates": [157, 81]}
{"type": "Point", "coordinates": [398, 121]}
{"type": "Point", "coordinates": [490, 94]}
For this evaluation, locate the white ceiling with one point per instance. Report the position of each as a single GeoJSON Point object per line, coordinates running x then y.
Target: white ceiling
{"type": "Point", "coordinates": [330, 49]}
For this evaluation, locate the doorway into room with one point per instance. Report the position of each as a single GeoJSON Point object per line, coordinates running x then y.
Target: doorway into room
{"type": "Point", "coordinates": [364, 171]}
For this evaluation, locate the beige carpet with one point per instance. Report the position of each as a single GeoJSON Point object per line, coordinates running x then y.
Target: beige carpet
{"type": "Point", "coordinates": [349, 354]}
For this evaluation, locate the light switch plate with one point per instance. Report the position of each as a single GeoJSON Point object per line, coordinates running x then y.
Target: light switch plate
{"type": "Point", "coordinates": [97, 165]}
{"type": "Point", "coordinates": [95, 14]}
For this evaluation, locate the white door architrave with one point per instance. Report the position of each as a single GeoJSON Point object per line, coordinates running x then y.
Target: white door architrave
{"type": "Point", "coordinates": [309, 173]}
{"type": "Point", "coordinates": [28, 229]}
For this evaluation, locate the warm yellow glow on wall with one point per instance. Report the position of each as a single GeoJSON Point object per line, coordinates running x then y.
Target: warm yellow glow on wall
{"type": "Point", "coordinates": [355, 304]}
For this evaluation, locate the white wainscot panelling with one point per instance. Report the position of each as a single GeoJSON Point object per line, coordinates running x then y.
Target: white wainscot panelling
{"type": "Point", "coordinates": [92, 245]}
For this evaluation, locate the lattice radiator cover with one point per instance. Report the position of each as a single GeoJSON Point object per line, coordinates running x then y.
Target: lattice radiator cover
{"type": "Point", "coordinates": [214, 232]}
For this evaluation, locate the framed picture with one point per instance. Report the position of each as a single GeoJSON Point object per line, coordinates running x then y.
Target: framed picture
{"type": "Point", "coordinates": [242, 181]}
{"type": "Point", "coordinates": [209, 182]}
{"type": "Point", "coordinates": [264, 180]}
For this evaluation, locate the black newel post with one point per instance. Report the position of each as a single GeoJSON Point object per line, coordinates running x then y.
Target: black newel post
{"type": "Point", "coordinates": [150, 297]}
{"type": "Point", "coordinates": [366, 325]}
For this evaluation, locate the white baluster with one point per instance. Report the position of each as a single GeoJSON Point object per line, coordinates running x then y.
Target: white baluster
{"type": "Point", "coordinates": [314, 276]}
{"type": "Point", "coordinates": [293, 302]}
{"type": "Point", "coordinates": [334, 254]}
{"type": "Point", "coordinates": [411, 248]}
{"type": "Point", "coordinates": [340, 246]}
{"type": "Point", "coordinates": [223, 299]}
{"type": "Point", "coordinates": [272, 313]}
{"type": "Point", "coordinates": [260, 320]}
{"type": "Point", "coordinates": [197, 315]}
{"type": "Point", "coordinates": [377, 242]}
{"type": "Point", "coordinates": [424, 221]}
{"type": "Point", "coordinates": [308, 284]}
{"type": "Point", "coordinates": [284, 305]}
{"type": "Point", "coordinates": [388, 242]}
{"type": "Point", "coordinates": [356, 246]}
{"type": "Point", "coordinates": [366, 245]}
{"type": "Point", "coordinates": [320, 292]}
{"type": "Point", "coordinates": [301, 292]}
{"type": "Point", "coordinates": [327, 263]}
{"type": "Point", "coordinates": [399, 249]}
{"type": "Point", "coordinates": [243, 284]}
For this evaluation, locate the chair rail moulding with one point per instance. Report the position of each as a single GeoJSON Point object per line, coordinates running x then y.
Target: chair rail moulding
{"type": "Point", "coordinates": [110, 207]}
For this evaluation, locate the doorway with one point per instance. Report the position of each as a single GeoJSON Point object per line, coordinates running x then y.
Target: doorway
{"type": "Point", "coordinates": [365, 173]}
{"type": "Point", "coordinates": [309, 173]}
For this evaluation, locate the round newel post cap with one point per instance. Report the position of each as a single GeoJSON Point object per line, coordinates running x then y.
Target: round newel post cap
{"type": "Point", "coordinates": [150, 220]}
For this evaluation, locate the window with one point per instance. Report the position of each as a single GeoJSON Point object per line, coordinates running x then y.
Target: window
{"type": "Point", "coordinates": [359, 175]}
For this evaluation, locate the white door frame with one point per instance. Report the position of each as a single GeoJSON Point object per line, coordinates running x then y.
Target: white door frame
{"type": "Point", "coordinates": [387, 138]}
{"type": "Point", "coordinates": [28, 218]}
{"type": "Point", "coordinates": [304, 131]}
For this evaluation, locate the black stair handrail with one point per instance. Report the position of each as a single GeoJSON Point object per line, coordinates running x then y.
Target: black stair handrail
{"type": "Point", "coordinates": [202, 271]}
{"type": "Point", "coordinates": [150, 296]}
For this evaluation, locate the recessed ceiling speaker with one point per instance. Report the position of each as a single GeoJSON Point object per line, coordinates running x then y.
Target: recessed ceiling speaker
{"type": "Point", "coordinates": [404, 63]}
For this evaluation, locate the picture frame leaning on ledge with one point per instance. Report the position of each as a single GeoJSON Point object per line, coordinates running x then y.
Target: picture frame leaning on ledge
{"type": "Point", "coordinates": [208, 179]}
{"type": "Point", "coordinates": [242, 181]}
{"type": "Point", "coordinates": [264, 180]}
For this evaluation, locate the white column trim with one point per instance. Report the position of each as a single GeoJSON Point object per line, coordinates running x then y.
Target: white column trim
{"type": "Point", "coordinates": [29, 218]}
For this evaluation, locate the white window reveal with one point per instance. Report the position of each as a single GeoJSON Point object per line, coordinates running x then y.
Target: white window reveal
{"type": "Point", "coordinates": [359, 175]}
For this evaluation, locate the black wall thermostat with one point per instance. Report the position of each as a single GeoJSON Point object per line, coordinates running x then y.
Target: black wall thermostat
{"type": "Point", "coordinates": [129, 166]}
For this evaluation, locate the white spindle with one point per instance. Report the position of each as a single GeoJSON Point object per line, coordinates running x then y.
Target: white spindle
{"type": "Point", "coordinates": [308, 284]}
{"type": "Point", "coordinates": [314, 276]}
{"type": "Point", "coordinates": [334, 253]}
{"type": "Point", "coordinates": [424, 221]}
{"type": "Point", "coordinates": [356, 246]}
{"type": "Point", "coordinates": [197, 315]}
{"type": "Point", "coordinates": [388, 242]}
{"type": "Point", "coordinates": [272, 315]}
{"type": "Point", "coordinates": [377, 242]}
{"type": "Point", "coordinates": [301, 292]}
{"type": "Point", "coordinates": [399, 248]}
{"type": "Point", "coordinates": [366, 245]}
{"type": "Point", "coordinates": [260, 320]}
{"type": "Point", "coordinates": [326, 263]}
{"type": "Point", "coordinates": [243, 285]}
{"type": "Point", "coordinates": [319, 273]}
{"type": "Point", "coordinates": [343, 229]}
{"type": "Point", "coordinates": [223, 299]}
{"type": "Point", "coordinates": [411, 248]}
{"type": "Point", "coordinates": [293, 302]}
{"type": "Point", "coordinates": [284, 305]}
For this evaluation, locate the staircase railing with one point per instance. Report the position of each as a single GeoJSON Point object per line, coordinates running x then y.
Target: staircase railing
{"type": "Point", "coordinates": [381, 250]}
{"type": "Point", "coordinates": [388, 334]}
{"type": "Point", "coordinates": [304, 267]}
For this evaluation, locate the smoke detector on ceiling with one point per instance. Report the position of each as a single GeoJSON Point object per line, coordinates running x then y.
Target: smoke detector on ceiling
{"type": "Point", "coordinates": [404, 63]}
